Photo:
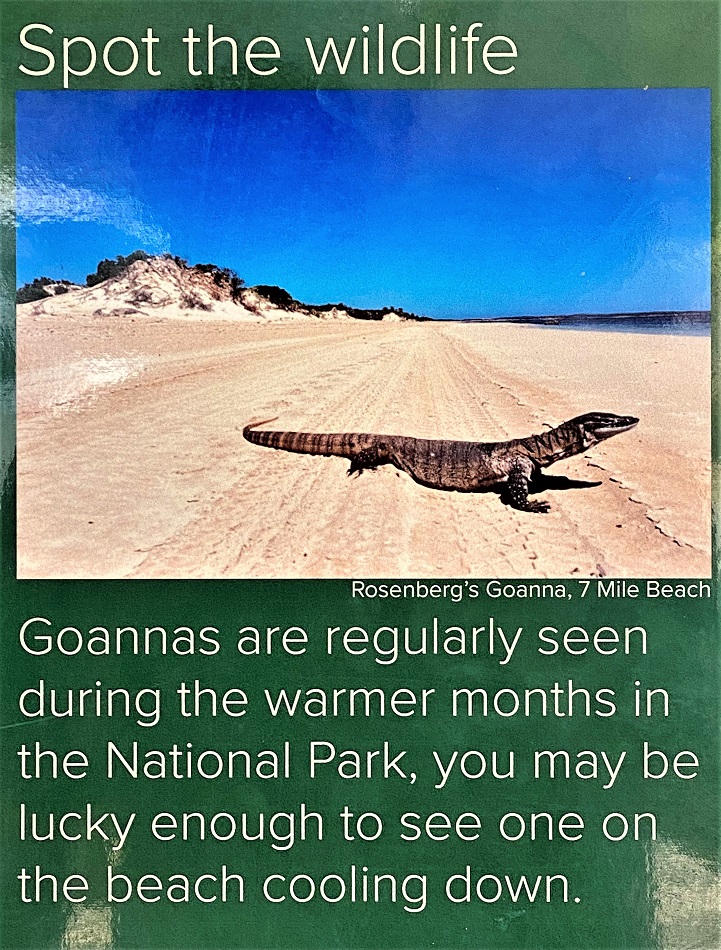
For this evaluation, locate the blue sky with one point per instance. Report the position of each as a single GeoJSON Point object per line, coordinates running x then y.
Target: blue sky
{"type": "Point", "coordinates": [448, 203]}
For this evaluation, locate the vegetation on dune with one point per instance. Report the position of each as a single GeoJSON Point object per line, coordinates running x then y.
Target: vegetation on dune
{"type": "Point", "coordinates": [107, 268]}
{"type": "Point", "coordinates": [36, 289]}
{"type": "Point", "coordinates": [225, 279]}
{"type": "Point", "coordinates": [33, 291]}
{"type": "Point", "coordinates": [364, 313]}
{"type": "Point", "coordinates": [277, 296]}
{"type": "Point", "coordinates": [281, 298]}
{"type": "Point", "coordinates": [223, 276]}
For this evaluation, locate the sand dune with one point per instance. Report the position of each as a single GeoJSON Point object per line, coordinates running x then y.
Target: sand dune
{"type": "Point", "coordinates": [131, 461]}
{"type": "Point", "coordinates": [159, 288]}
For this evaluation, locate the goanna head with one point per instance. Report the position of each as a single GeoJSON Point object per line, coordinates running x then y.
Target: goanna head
{"type": "Point", "coordinates": [596, 426]}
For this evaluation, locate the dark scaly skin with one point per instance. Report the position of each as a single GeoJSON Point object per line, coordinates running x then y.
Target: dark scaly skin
{"type": "Point", "coordinates": [456, 466]}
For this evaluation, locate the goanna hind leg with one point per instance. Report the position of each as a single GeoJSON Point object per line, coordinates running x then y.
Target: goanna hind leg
{"type": "Point", "coordinates": [516, 493]}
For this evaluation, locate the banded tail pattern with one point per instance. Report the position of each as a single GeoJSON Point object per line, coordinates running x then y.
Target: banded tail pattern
{"type": "Point", "coordinates": [345, 444]}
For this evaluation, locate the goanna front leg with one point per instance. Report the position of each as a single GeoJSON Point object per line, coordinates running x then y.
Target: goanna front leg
{"type": "Point", "coordinates": [516, 493]}
{"type": "Point", "coordinates": [370, 457]}
{"type": "Point", "coordinates": [366, 460]}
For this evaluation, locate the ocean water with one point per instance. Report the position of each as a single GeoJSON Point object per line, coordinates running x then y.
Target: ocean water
{"type": "Point", "coordinates": [677, 323]}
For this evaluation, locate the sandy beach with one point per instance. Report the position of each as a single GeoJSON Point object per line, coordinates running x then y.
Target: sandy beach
{"type": "Point", "coordinates": [131, 461]}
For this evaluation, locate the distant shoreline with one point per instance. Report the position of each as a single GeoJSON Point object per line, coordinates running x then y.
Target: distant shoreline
{"type": "Point", "coordinates": [219, 285]}
{"type": "Point", "coordinates": [681, 322]}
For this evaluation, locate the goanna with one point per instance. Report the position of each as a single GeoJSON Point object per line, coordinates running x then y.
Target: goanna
{"type": "Point", "coordinates": [513, 466]}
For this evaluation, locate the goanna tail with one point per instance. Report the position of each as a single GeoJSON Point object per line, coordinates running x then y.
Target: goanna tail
{"type": "Point", "coordinates": [346, 444]}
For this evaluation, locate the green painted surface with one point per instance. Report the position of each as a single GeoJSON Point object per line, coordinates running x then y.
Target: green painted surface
{"type": "Point", "coordinates": [632, 894]}
{"type": "Point", "coordinates": [629, 890]}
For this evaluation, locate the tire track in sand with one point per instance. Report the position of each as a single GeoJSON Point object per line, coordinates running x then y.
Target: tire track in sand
{"type": "Point", "coordinates": [160, 467]}
{"type": "Point", "coordinates": [314, 514]}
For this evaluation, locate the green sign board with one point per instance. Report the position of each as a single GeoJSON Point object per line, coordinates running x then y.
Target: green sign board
{"type": "Point", "coordinates": [470, 697]}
